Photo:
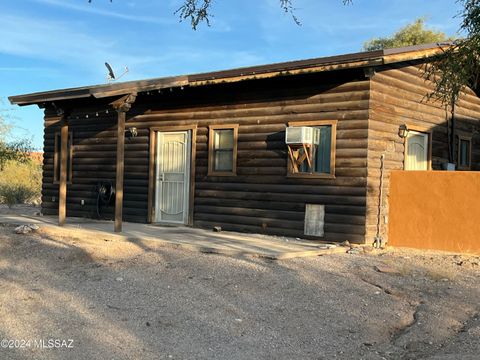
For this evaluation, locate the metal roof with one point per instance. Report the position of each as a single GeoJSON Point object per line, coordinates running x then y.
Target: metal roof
{"type": "Point", "coordinates": [362, 59]}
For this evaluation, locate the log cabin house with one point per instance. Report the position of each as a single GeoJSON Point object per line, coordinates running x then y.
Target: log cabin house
{"type": "Point", "coordinates": [294, 149]}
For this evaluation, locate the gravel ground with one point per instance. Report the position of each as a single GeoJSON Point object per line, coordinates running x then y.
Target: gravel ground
{"type": "Point", "coordinates": [121, 300]}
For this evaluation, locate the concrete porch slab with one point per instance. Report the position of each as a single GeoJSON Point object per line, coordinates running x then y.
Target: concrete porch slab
{"type": "Point", "coordinates": [201, 240]}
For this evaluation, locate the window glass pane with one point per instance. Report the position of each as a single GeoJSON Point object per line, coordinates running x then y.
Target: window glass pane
{"type": "Point", "coordinates": [223, 160]}
{"type": "Point", "coordinates": [303, 168]}
{"type": "Point", "coordinates": [464, 153]}
{"type": "Point", "coordinates": [223, 139]}
{"type": "Point", "coordinates": [324, 148]}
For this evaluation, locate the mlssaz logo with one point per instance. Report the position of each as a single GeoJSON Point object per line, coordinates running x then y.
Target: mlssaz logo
{"type": "Point", "coordinates": [54, 343]}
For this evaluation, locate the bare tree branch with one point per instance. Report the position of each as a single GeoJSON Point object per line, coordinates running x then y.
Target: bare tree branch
{"type": "Point", "coordinates": [199, 11]}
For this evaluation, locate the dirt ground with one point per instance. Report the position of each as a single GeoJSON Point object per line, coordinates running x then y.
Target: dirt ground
{"type": "Point", "coordinates": [122, 300]}
{"type": "Point", "coordinates": [29, 210]}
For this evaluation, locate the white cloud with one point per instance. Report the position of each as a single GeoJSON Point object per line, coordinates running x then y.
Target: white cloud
{"type": "Point", "coordinates": [24, 69]}
{"type": "Point", "coordinates": [96, 10]}
{"type": "Point", "coordinates": [82, 53]}
{"type": "Point", "coordinates": [58, 42]}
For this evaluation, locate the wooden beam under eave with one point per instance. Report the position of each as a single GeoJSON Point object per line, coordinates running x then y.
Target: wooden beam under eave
{"type": "Point", "coordinates": [62, 201]}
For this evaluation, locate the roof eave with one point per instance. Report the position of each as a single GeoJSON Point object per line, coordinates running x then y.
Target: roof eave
{"type": "Point", "coordinates": [99, 91]}
{"type": "Point", "coordinates": [356, 60]}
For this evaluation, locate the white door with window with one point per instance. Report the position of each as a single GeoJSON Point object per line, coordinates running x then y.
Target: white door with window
{"type": "Point", "coordinates": [416, 151]}
{"type": "Point", "coordinates": [172, 177]}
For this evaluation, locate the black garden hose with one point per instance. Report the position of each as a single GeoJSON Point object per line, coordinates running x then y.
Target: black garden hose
{"type": "Point", "coordinates": [105, 194]}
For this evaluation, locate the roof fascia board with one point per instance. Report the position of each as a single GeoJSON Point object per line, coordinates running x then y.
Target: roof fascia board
{"type": "Point", "coordinates": [408, 56]}
{"type": "Point", "coordinates": [374, 58]}
{"type": "Point", "coordinates": [146, 86]}
{"type": "Point", "coordinates": [268, 75]}
{"type": "Point", "coordinates": [31, 99]}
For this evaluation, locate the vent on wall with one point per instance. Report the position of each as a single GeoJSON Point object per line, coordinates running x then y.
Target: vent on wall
{"type": "Point", "coordinates": [314, 220]}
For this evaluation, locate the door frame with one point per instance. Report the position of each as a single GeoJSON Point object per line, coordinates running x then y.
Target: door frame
{"type": "Point", "coordinates": [152, 168]}
{"type": "Point", "coordinates": [426, 131]}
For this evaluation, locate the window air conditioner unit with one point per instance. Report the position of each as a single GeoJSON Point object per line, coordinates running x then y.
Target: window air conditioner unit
{"type": "Point", "coordinates": [299, 135]}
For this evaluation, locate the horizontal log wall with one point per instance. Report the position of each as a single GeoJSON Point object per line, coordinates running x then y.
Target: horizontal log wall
{"type": "Point", "coordinates": [398, 96]}
{"type": "Point", "coordinates": [261, 198]}
{"type": "Point", "coordinates": [94, 152]}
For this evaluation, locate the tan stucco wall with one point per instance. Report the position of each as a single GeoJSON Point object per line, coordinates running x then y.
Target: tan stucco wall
{"type": "Point", "coordinates": [435, 210]}
{"type": "Point", "coordinates": [398, 96]}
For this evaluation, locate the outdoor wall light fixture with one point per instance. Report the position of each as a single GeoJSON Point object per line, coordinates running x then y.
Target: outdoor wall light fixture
{"type": "Point", "coordinates": [403, 131]}
{"type": "Point", "coordinates": [131, 132]}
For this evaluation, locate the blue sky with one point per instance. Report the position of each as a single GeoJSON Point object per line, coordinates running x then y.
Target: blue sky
{"type": "Point", "coordinates": [51, 44]}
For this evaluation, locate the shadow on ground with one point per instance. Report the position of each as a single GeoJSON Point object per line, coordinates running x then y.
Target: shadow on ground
{"type": "Point", "coordinates": [120, 300]}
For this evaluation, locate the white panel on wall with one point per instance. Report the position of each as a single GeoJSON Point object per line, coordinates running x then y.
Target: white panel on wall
{"type": "Point", "coordinates": [314, 220]}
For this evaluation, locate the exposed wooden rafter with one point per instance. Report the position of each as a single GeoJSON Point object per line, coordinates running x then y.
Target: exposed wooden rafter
{"type": "Point", "coordinates": [124, 103]}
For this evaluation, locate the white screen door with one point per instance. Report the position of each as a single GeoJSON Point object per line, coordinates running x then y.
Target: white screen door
{"type": "Point", "coordinates": [172, 177]}
{"type": "Point", "coordinates": [416, 156]}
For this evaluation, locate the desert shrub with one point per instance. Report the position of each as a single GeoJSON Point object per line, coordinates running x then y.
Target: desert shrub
{"type": "Point", "coordinates": [20, 183]}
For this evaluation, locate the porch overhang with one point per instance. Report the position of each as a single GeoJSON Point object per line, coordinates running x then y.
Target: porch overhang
{"type": "Point", "coordinates": [349, 61]}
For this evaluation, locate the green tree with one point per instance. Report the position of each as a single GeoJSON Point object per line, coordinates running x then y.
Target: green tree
{"type": "Point", "coordinates": [11, 149]}
{"type": "Point", "coordinates": [20, 177]}
{"type": "Point", "coordinates": [411, 34]}
{"type": "Point", "coordinates": [458, 64]}
{"type": "Point", "coordinates": [21, 183]}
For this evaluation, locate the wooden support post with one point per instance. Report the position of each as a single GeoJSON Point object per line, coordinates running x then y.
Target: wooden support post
{"type": "Point", "coordinates": [120, 169]}
{"type": "Point", "coordinates": [122, 105]}
{"type": "Point", "coordinates": [62, 202]}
